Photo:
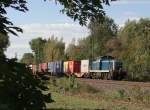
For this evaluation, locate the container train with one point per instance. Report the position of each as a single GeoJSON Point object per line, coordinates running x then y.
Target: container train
{"type": "Point", "coordinates": [105, 67]}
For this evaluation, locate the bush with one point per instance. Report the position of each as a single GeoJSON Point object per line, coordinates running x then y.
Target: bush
{"type": "Point", "coordinates": [121, 94]}
{"type": "Point", "coordinates": [19, 90]}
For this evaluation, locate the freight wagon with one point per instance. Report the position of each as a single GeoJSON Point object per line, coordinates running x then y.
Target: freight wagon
{"type": "Point", "coordinates": [72, 67]}
{"type": "Point", "coordinates": [42, 68]}
{"type": "Point", "coordinates": [56, 68]}
{"type": "Point", "coordinates": [105, 67]}
{"type": "Point", "coordinates": [33, 68]}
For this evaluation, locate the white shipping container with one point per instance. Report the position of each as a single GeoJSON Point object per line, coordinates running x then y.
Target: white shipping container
{"type": "Point", "coordinates": [84, 66]}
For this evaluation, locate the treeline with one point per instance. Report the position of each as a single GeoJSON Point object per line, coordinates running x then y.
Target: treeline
{"type": "Point", "coordinates": [131, 44]}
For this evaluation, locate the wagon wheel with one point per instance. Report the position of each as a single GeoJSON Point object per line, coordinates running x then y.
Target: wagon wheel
{"type": "Point", "coordinates": [108, 76]}
{"type": "Point", "coordinates": [111, 74]}
{"type": "Point", "coordinates": [105, 76]}
{"type": "Point", "coordinates": [102, 75]}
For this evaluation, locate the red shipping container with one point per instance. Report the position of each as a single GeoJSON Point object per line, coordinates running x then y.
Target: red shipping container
{"type": "Point", "coordinates": [74, 67]}
{"type": "Point", "coordinates": [43, 67]}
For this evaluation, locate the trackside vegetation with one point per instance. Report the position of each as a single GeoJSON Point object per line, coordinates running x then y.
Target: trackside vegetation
{"type": "Point", "coordinates": [19, 90]}
{"type": "Point", "coordinates": [130, 44]}
{"type": "Point", "coordinates": [82, 96]}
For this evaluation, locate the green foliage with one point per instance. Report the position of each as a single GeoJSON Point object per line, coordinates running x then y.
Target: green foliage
{"type": "Point", "coordinates": [77, 10]}
{"type": "Point", "coordinates": [4, 42]}
{"type": "Point", "coordinates": [83, 10]}
{"type": "Point", "coordinates": [73, 51]}
{"type": "Point", "coordinates": [94, 45]}
{"type": "Point", "coordinates": [72, 82]}
{"type": "Point", "coordinates": [66, 84]}
{"type": "Point", "coordinates": [63, 85]}
{"type": "Point", "coordinates": [123, 99]}
{"type": "Point", "coordinates": [47, 50]}
{"type": "Point", "coordinates": [121, 93]}
{"type": "Point", "coordinates": [100, 34]}
{"type": "Point", "coordinates": [53, 49]}
{"type": "Point", "coordinates": [6, 25]}
{"type": "Point", "coordinates": [37, 45]}
{"type": "Point", "coordinates": [27, 58]}
{"type": "Point", "coordinates": [135, 48]}
{"type": "Point", "coordinates": [19, 89]}
{"type": "Point", "coordinates": [113, 47]}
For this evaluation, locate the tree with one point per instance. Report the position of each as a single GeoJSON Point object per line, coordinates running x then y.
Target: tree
{"type": "Point", "coordinates": [135, 38]}
{"type": "Point", "coordinates": [37, 45]}
{"type": "Point", "coordinates": [4, 43]}
{"type": "Point", "coordinates": [53, 49]}
{"type": "Point", "coordinates": [94, 45]}
{"type": "Point", "coordinates": [27, 58]}
{"type": "Point", "coordinates": [47, 50]}
{"type": "Point", "coordinates": [71, 50]}
{"type": "Point", "coordinates": [84, 10]}
{"type": "Point", "coordinates": [76, 51]}
{"type": "Point", "coordinates": [19, 90]}
{"type": "Point", "coordinates": [100, 34]}
{"type": "Point", "coordinates": [6, 25]}
{"type": "Point", "coordinates": [113, 47]}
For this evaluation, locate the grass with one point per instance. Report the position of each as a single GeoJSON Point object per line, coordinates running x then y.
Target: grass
{"type": "Point", "coordinates": [79, 96]}
{"type": "Point", "coordinates": [72, 102]}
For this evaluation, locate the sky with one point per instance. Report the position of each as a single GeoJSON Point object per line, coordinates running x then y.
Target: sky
{"type": "Point", "coordinates": [44, 20]}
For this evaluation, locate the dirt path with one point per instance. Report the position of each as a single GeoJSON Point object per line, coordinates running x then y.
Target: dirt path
{"type": "Point", "coordinates": [115, 85]}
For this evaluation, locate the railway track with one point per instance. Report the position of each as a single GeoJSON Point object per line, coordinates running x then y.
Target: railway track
{"type": "Point", "coordinates": [115, 85]}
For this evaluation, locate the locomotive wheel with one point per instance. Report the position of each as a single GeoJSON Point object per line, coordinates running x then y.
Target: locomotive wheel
{"type": "Point", "coordinates": [111, 75]}
{"type": "Point", "coordinates": [107, 76]}
{"type": "Point", "coordinates": [99, 75]}
{"type": "Point", "coordinates": [93, 76]}
{"type": "Point", "coordinates": [102, 75]}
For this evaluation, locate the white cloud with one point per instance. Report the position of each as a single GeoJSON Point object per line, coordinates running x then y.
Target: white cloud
{"type": "Point", "coordinates": [66, 31]}
{"type": "Point", "coordinates": [20, 46]}
{"type": "Point", "coordinates": [134, 2]}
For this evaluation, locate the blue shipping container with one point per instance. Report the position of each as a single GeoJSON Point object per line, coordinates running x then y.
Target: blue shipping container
{"type": "Point", "coordinates": [51, 67]}
{"type": "Point", "coordinates": [58, 67]}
